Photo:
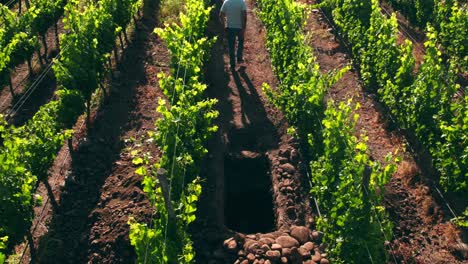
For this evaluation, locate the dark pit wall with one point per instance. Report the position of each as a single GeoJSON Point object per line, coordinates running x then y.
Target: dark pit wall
{"type": "Point", "coordinates": [248, 197]}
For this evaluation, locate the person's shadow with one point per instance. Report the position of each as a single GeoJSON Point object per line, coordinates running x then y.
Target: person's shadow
{"type": "Point", "coordinates": [260, 130]}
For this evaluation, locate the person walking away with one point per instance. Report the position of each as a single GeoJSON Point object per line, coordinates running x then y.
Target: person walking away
{"type": "Point", "coordinates": [235, 12]}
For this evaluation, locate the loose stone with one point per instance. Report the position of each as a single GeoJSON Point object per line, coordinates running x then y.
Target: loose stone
{"type": "Point", "coordinates": [287, 241]}
{"type": "Point", "coordinates": [276, 246]}
{"type": "Point", "coordinates": [265, 247]}
{"type": "Point", "coordinates": [288, 167]}
{"type": "Point", "coordinates": [266, 240]}
{"type": "Point", "coordinates": [273, 255]}
{"type": "Point", "coordinates": [294, 157]}
{"type": "Point", "coordinates": [251, 245]}
{"type": "Point", "coordinates": [301, 233]}
{"type": "Point", "coordinates": [226, 242]}
{"type": "Point", "coordinates": [285, 152]}
{"type": "Point", "coordinates": [316, 258]}
{"type": "Point", "coordinates": [316, 235]}
{"type": "Point", "coordinates": [251, 257]}
{"type": "Point", "coordinates": [304, 252]}
{"type": "Point", "coordinates": [232, 246]}
{"type": "Point", "coordinates": [286, 252]}
{"type": "Point", "coordinates": [309, 245]}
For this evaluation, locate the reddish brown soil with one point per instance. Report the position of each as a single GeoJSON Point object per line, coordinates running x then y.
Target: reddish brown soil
{"type": "Point", "coordinates": [14, 6]}
{"type": "Point", "coordinates": [27, 101]}
{"type": "Point", "coordinates": [422, 232]}
{"type": "Point", "coordinates": [96, 190]}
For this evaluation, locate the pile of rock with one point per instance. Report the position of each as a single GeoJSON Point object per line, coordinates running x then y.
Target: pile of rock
{"type": "Point", "coordinates": [290, 198]}
{"type": "Point", "coordinates": [296, 246]}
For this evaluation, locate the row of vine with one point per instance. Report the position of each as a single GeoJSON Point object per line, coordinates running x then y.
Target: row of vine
{"type": "Point", "coordinates": [27, 152]}
{"type": "Point", "coordinates": [346, 183]}
{"type": "Point", "coordinates": [184, 126]}
{"type": "Point", "coordinates": [425, 104]}
{"type": "Point", "coordinates": [447, 19]}
{"type": "Point", "coordinates": [19, 35]}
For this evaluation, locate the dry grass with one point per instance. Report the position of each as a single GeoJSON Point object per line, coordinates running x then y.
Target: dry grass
{"type": "Point", "coordinates": [170, 10]}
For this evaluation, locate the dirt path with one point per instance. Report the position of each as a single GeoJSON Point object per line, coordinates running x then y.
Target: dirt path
{"type": "Point", "coordinates": [97, 190]}
{"type": "Point", "coordinates": [254, 199]}
{"type": "Point", "coordinates": [423, 232]}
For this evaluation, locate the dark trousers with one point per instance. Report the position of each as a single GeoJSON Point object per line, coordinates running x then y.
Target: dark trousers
{"type": "Point", "coordinates": [232, 33]}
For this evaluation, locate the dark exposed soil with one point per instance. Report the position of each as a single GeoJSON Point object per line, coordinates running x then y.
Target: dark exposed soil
{"type": "Point", "coordinates": [422, 232]}
{"type": "Point", "coordinates": [239, 212]}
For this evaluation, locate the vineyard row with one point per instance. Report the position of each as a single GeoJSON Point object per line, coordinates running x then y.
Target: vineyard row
{"type": "Point", "coordinates": [172, 184]}
{"type": "Point", "coordinates": [19, 35]}
{"type": "Point", "coordinates": [27, 152]}
{"type": "Point", "coordinates": [425, 104]}
{"type": "Point", "coordinates": [345, 182]}
{"type": "Point", "coordinates": [447, 19]}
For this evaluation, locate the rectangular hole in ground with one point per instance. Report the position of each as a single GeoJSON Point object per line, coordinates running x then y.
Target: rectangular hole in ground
{"type": "Point", "coordinates": [249, 201]}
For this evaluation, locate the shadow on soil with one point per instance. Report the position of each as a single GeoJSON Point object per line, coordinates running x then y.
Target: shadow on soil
{"type": "Point", "coordinates": [259, 134]}
{"type": "Point", "coordinates": [68, 238]}
{"type": "Point", "coordinates": [28, 102]}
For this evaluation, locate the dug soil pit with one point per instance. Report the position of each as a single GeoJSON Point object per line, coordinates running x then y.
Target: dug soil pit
{"type": "Point", "coordinates": [249, 205]}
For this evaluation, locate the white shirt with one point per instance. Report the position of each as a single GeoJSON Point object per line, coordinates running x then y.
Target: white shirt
{"type": "Point", "coordinates": [233, 10]}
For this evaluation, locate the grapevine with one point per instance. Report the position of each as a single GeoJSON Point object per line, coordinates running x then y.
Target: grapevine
{"type": "Point", "coordinates": [184, 126]}
{"type": "Point", "coordinates": [338, 158]}
{"type": "Point", "coordinates": [421, 103]}
{"type": "Point", "coordinates": [27, 152]}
